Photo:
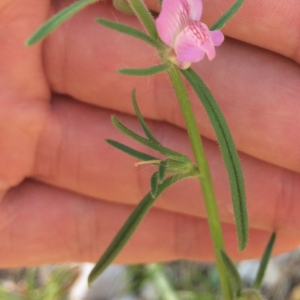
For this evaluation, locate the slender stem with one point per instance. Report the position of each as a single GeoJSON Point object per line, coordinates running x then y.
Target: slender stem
{"type": "Point", "coordinates": [141, 11]}
{"type": "Point", "coordinates": [205, 177]}
{"type": "Point", "coordinates": [195, 139]}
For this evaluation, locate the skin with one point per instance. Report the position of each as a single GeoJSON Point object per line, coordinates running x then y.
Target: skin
{"type": "Point", "coordinates": [65, 192]}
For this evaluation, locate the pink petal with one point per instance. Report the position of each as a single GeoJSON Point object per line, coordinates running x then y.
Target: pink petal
{"type": "Point", "coordinates": [210, 50]}
{"type": "Point", "coordinates": [217, 37]}
{"type": "Point", "coordinates": [195, 9]}
{"type": "Point", "coordinates": [175, 16]}
{"type": "Point", "coordinates": [193, 42]}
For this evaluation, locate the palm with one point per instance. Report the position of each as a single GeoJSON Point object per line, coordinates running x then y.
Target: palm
{"type": "Point", "coordinates": [54, 163]}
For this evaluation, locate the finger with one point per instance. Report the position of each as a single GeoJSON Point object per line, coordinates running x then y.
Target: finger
{"type": "Point", "coordinates": [262, 23]}
{"type": "Point", "coordinates": [72, 154]}
{"type": "Point", "coordinates": [19, 20]}
{"type": "Point", "coordinates": [257, 90]}
{"type": "Point", "coordinates": [23, 89]}
{"type": "Point", "coordinates": [41, 224]}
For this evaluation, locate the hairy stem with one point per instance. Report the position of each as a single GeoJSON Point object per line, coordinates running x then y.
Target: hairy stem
{"type": "Point", "coordinates": [204, 178]}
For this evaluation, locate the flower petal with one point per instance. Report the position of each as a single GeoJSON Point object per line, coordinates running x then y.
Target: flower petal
{"type": "Point", "coordinates": [217, 37]}
{"type": "Point", "coordinates": [195, 9]}
{"type": "Point", "coordinates": [193, 42]}
{"type": "Point", "coordinates": [210, 50]}
{"type": "Point", "coordinates": [175, 16]}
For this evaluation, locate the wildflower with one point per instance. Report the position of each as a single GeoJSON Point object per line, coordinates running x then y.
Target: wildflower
{"type": "Point", "coordinates": [179, 26]}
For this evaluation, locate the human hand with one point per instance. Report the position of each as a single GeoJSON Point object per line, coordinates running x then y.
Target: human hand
{"type": "Point", "coordinates": [65, 192]}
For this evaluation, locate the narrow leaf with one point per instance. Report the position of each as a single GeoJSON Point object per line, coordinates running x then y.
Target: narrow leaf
{"type": "Point", "coordinates": [137, 154]}
{"type": "Point", "coordinates": [154, 184]}
{"type": "Point", "coordinates": [228, 15]}
{"type": "Point", "coordinates": [146, 71]}
{"type": "Point", "coordinates": [234, 276]}
{"type": "Point", "coordinates": [264, 262]}
{"type": "Point", "coordinates": [130, 31]}
{"type": "Point", "coordinates": [229, 154]}
{"type": "Point", "coordinates": [146, 129]}
{"type": "Point", "coordinates": [129, 228]}
{"type": "Point", "coordinates": [57, 20]}
{"type": "Point", "coordinates": [170, 153]}
{"type": "Point", "coordinates": [162, 170]}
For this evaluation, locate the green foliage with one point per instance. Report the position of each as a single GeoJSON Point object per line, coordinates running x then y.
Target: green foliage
{"type": "Point", "coordinates": [54, 286]}
{"type": "Point", "coordinates": [144, 15]}
{"type": "Point", "coordinates": [153, 70]}
{"type": "Point", "coordinates": [234, 276]}
{"type": "Point", "coordinates": [264, 262]}
{"type": "Point", "coordinates": [132, 152]}
{"type": "Point", "coordinates": [130, 31]}
{"type": "Point", "coordinates": [162, 171]}
{"type": "Point", "coordinates": [228, 15]}
{"type": "Point", "coordinates": [139, 115]}
{"type": "Point", "coordinates": [229, 153]}
{"type": "Point", "coordinates": [57, 20]}
{"type": "Point", "coordinates": [236, 281]}
{"type": "Point", "coordinates": [154, 184]}
{"type": "Point", "coordinates": [180, 280]}
{"type": "Point", "coordinates": [175, 163]}
{"type": "Point", "coordinates": [129, 227]}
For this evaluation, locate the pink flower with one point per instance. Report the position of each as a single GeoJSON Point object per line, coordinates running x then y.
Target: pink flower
{"type": "Point", "coordinates": [179, 26]}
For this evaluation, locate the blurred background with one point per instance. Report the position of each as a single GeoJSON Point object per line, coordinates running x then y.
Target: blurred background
{"type": "Point", "coordinates": [180, 280]}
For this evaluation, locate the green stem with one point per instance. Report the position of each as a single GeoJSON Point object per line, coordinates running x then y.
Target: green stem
{"type": "Point", "coordinates": [141, 11]}
{"type": "Point", "coordinates": [194, 135]}
{"type": "Point", "coordinates": [205, 177]}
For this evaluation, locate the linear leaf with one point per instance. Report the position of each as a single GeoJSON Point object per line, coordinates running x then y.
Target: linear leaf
{"type": "Point", "coordinates": [57, 20]}
{"type": "Point", "coordinates": [264, 262]}
{"type": "Point", "coordinates": [145, 127]}
{"type": "Point", "coordinates": [234, 276]}
{"type": "Point", "coordinates": [130, 31]}
{"type": "Point", "coordinates": [129, 228]}
{"type": "Point", "coordinates": [170, 153]}
{"type": "Point", "coordinates": [137, 154]}
{"type": "Point", "coordinates": [229, 154]}
{"type": "Point", "coordinates": [146, 71]}
{"type": "Point", "coordinates": [228, 15]}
